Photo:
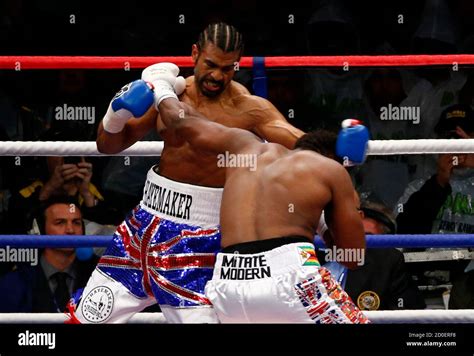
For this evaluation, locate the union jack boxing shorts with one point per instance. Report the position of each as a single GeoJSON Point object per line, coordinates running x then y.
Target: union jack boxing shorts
{"type": "Point", "coordinates": [163, 252]}
{"type": "Point", "coordinates": [278, 280]}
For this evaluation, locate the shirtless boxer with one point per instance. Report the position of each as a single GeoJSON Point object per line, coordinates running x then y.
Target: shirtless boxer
{"type": "Point", "coordinates": [267, 271]}
{"type": "Point", "coordinates": [165, 249]}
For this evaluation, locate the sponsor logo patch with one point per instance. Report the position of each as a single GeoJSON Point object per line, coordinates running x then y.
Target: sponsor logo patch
{"type": "Point", "coordinates": [308, 256]}
{"type": "Point", "coordinates": [98, 304]}
{"type": "Point", "coordinates": [368, 300]}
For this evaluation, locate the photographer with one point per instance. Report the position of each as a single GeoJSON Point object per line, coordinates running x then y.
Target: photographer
{"type": "Point", "coordinates": [69, 176]}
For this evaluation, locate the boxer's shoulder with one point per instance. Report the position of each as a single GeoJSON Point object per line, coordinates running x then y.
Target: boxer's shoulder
{"type": "Point", "coordinates": [189, 90]}
{"type": "Point", "coordinates": [189, 81]}
{"type": "Point", "coordinates": [314, 162]}
{"type": "Point", "coordinates": [252, 104]}
{"type": "Point", "coordinates": [238, 89]}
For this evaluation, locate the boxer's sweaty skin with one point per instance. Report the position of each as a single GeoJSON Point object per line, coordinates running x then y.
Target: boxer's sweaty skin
{"type": "Point", "coordinates": [285, 193]}
{"type": "Point", "coordinates": [234, 107]}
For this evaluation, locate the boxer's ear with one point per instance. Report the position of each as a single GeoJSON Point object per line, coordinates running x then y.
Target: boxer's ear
{"type": "Point", "coordinates": [195, 53]}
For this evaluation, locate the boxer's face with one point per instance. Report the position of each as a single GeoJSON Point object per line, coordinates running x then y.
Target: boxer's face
{"type": "Point", "coordinates": [213, 69]}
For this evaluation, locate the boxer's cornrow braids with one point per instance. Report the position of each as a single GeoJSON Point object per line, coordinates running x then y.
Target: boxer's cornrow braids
{"type": "Point", "coordinates": [320, 141]}
{"type": "Point", "coordinates": [222, 35]}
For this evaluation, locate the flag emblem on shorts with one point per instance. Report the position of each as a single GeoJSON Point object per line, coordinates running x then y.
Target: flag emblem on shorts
{"type": "Point", "coordinates": [309, 256]}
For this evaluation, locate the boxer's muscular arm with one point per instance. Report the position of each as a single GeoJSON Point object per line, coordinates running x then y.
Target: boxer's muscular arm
{"type": "Point", "coordinates": [201, 133]}
{"type": "Point", "coordinates": [270, 124]}
{"type": "Point", "coordinates": [134, 130]}
{"type": "Point", "coordinates": [342, 216]}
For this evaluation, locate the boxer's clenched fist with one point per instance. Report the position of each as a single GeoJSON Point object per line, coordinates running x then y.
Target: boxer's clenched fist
{"type": "Point", "coordinates": [165, 81]}
{"type": "Point", "coordinates": [133, 100]}
{"type": "Point", "coordinates": [352, 142]}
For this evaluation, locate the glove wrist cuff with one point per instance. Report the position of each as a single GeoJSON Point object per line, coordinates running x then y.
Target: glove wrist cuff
{"type": "Point", "coordinates": [163, 90]}
{"type": "Point", "coordinates": [114, 122]}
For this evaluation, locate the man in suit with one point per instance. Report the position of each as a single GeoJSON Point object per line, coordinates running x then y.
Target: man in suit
{"type": "Point", "coordinates": [462, 293]}
{"type": "Point", "coordinates": [382, 283]}
{"type": "Point", "coordinates": [46, 286]}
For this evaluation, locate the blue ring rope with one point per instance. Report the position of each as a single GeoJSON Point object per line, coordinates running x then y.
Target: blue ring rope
{"type": "Point", "coordinates": [374, 241]}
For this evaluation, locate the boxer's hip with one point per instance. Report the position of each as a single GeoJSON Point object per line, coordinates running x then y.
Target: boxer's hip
{"type": "Point", "coordinates": [277, 280]}
{"type": "Point", "coordinates": [181, 202]}
{"type": "Point", "coordinates": [265, 259]}
{"type": "Point", "coordinates": [174, 231]}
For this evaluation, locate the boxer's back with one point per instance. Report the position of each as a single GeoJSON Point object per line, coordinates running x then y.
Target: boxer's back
{"type": "Point", "coordinates": [283, 196]}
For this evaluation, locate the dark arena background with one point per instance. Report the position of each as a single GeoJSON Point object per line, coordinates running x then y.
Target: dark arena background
{"type": "Point", "coordinates": [403, 68]}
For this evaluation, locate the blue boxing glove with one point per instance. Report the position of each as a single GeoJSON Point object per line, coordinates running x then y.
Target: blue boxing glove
{"type": "Point", "coordinates": [133, 100]}
{"type": "Point", "coordinates": [352, 142]}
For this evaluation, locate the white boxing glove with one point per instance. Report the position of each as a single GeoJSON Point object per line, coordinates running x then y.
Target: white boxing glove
{"type": "Point", "coordinates": [165, 81]}
{"type": "Point", "coordinates": [322, 227]}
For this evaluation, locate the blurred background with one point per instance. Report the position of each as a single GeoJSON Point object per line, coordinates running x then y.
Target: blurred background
{"type": "Point", "coordinates": [309, 98]}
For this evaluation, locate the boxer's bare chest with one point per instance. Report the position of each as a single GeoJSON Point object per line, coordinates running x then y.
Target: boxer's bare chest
{"type": "Point", "coordinates": [184, 163]}
{"type": "Point", "coordinates": [225, 112]}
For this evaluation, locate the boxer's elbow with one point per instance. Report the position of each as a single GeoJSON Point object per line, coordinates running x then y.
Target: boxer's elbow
{"type": "Point", "coordinates": [107, 146]}
{"type": "Point", "coordinates": [350, 249]}
{"type": "Point", "coordinates": [103, 148]}
{"type": "Point", "coordinates": [101, 141]}
{"type": "Point", "coordinates": [353, 255]}
{"type": "Point", "coordinates": [358, 259]}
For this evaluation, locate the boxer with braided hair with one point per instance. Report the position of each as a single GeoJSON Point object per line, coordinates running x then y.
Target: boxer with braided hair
{"type": "Point", "coordinates": [165, 249]}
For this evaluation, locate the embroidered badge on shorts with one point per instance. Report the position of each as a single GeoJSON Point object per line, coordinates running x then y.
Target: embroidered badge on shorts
{"type": "Point", "coordinates": [308, 256]}
{"type": "Point", "coordinates": [368, 300]}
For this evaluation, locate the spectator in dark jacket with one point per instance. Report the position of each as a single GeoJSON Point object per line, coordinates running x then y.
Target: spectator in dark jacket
{"type": "Point", "coordinates": [442, 204]}
{"type": "Point", "coordinates": [383, 282]}
{"type": "Point", "coordinates": [45, 286]}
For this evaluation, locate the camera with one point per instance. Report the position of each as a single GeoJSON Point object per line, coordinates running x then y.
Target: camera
{"type": "Point", "coordinates": [72, 160]}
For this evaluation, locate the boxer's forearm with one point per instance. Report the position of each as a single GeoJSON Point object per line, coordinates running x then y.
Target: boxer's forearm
{"type": "Point", "coordinates": [172, 110]}
{"type": "Point", "coordinates": [133, 131]}
{"type": "Point", "coordinates": [189, 124]}
{"type": "Point", "coordinates": [201, 133]}
{"type": "Point", "coordinates": [328, 239]}
{"type": "Point", "coordinates": [110, 143]}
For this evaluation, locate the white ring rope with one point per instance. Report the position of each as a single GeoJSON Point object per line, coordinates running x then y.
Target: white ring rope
{"type": "Point", "coordinates": [426, 316]}
{"type": "Point", "coordinates": [422, 146]}
{"type": "Point", "coordinates": [60, 318]}
{"type": "Point", "coordinates": [379, 147]}
{"type": "Point", "coordinates": [74, 148]}
{"type": "Point", "coordinates": [150, 148]}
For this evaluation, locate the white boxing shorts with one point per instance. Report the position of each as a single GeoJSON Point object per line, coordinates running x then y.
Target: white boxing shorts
{"type": "Point", "coordinates": [164, 252]}
{"type": "Point", "coordinates": [283, 284]}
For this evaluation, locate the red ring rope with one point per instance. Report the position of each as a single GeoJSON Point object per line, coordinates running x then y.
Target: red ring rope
{"type": "Point", "coordinates": [83, 62]}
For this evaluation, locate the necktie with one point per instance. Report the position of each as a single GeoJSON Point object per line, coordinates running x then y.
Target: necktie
{"type": "Point", "coordinates": [61, 294]}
